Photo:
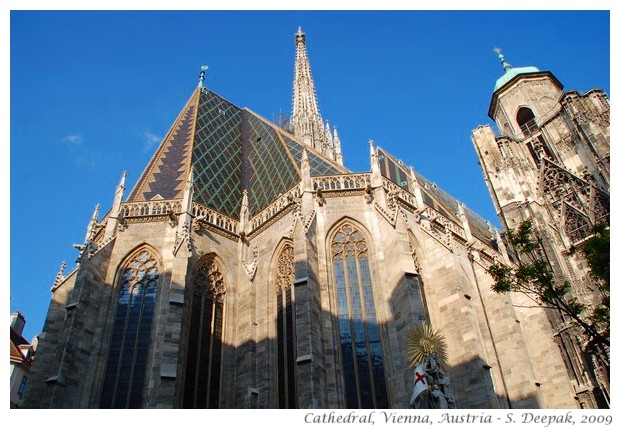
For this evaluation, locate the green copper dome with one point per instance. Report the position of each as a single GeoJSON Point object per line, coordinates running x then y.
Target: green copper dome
{"type": "Point", "coordinates": [512, 72]}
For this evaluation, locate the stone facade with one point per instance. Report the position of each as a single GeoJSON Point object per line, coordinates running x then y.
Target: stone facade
{"type": "Point", "coordinates": [421, 255]}
{"type": "Point", "coordinates": [489, 341]}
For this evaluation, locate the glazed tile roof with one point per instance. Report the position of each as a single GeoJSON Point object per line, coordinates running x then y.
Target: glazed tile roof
{"type": "Point", "coordinates": [230, 149]}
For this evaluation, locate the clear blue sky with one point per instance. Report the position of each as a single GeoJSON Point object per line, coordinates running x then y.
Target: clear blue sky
{"type": "Point", "coordinates": [93, 93]}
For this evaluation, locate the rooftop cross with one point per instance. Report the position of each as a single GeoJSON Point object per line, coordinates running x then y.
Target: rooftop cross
{"type": "Point", "coordinates": [505, 63]}
{"type": "Point", "coordinates": [203, 70]}
{"type": "Point", "coordinates": [300, 37]}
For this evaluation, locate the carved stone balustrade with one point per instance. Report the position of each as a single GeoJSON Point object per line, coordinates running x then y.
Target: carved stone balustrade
{"type": "Point", "coordinates": [341, 181]}
{"type": "Point", "coordinates": [150, 209]}
{"type": "Point", "coordinates": [403, 195]}
{"type": "Point", "coordinates": [445, 222]}
{"type": "Point", "coordinates": [212, 217]}
{"type": "Point", "coordinates": [276, 207]}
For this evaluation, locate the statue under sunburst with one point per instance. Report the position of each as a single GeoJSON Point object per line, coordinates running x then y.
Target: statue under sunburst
{"type": "Point", "coordinates": [426, 351]}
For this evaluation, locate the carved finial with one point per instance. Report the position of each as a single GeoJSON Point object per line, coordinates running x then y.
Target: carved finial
{"type": "Point", "coordinates": [460, 211]}
{"type": "Point", "coordinates": [372, 147]}
{"type": "Point", "coordinates": [61, 273]}
{"type": "Point", "coordinates": [505, 64]}
{"type": "Point", "coordinates": [95, 215]}
{"type": "Point", "coordinates": [244, 216]}
{"type": "Point", "coordinates": [203, 71]}
{"type": "Point", "coordinates": [304, 157]}
{"type": "Point", "coordinates": [121, 184]}
{"type": "Point", "coordinates": [328, 136]}
{"type": "Point", "coordinates": [90, 229]}
{"type": "Point", "coordinates": [412, 177]}
{"type": "Point", "coordinates": [190, 176]}
{"type": "Point", "coordinates": [244, 200]}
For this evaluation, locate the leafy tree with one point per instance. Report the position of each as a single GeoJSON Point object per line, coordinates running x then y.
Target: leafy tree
{"type": "Point", "coordinates": [534, 277]}
{"type": "Point", "coordinates": [596, 252]}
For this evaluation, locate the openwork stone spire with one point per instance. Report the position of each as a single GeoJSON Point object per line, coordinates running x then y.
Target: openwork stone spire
{"type": "Point", "coordinates": [306, 121]}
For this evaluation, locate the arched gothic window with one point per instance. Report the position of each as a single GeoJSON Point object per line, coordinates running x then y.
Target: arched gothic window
{"type": "Point", "coordinates": [527, 121]}
{"type": "Point", "coordinates": [360, 341]}
{"type": "Point", "coordinates": [204, 354]}
{"type": "Point", "coordinates": [124, 376]}
{"type": "Point", "coordinates": [285, 278]}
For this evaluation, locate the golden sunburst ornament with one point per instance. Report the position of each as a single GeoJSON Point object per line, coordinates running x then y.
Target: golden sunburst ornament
{"type": "Point", "coordinates": [423, 339]}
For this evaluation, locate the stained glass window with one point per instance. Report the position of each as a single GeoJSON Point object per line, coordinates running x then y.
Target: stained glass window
{"type": "Point", "coordinates": [204, 354]}
{"type": "Point", "coordinates": [360, 340]}
{"type": "Point", "coordinates": [285, 278]}
{"type": "Point", "coordinates": [124, 377]}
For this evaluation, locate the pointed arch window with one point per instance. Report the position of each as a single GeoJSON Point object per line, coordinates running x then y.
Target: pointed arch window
{"type": "Point", "coordinates": [527, 121]}
{"type": "Point", "coordinates": [285, 278]}
{"type": "Point", "coordinates": [360, 341]}
{"type": "Point", "coordinates": [204, 354]}
{"type": "Point", "coordinates": [123, 382]}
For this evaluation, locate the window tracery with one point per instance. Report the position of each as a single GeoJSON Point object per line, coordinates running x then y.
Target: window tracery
{"type": "Point", "coordinates": [124, 377]}
{"type": "Point", "coordinates": [360, 340]}
{"type": "Point", "coordinates": [576, 224]}
{"type": "Point", "coordinates": [204, 355]}
{"type": "Point", "coordinates": [285, 268]}
{"type": "Point", "coordinates": [286, 340]}
{"type": "Point", "coordinates": [209, 280]}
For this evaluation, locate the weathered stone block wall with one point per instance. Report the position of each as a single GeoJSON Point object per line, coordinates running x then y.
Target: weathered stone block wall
{"type": "Point", "coordinates": [41, 370]}
{"type": "Point", "coordinates": [238, 312]}
{"type": "Point", "coordinates": [455, 309]}
{"type": "Point", "coordinates": [555, 386]}
{"type": "Point", "coordinates": [68, 384]}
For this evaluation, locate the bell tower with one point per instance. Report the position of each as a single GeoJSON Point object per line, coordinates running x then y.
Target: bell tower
{"type": "Point", "coordinates": [548, 162]}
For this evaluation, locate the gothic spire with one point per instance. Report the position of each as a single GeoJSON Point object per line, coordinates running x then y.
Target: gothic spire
{"type": "Point", "coordinates": [306, 120]}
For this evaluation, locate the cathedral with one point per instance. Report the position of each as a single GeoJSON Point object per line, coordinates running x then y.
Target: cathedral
{"type": "Point", "coordinates": [249, 268]}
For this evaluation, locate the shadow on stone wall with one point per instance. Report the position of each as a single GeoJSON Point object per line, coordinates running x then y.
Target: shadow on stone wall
{"type": "Point", "coordinates": [249, 371]}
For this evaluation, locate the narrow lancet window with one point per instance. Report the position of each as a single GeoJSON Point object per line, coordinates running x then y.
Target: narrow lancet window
{"type": "Point", "coordinates": [124, 377]}
{"type": "Point", "coordinates": [204, 354]}
{"type": "Point", "coordinates": [360, 340]}
{"type": "Point", "coordinates": [286, 327]}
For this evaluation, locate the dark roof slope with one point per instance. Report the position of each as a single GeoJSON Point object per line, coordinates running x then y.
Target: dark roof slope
{"type": "Point", "coordinates": [435, 197]}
